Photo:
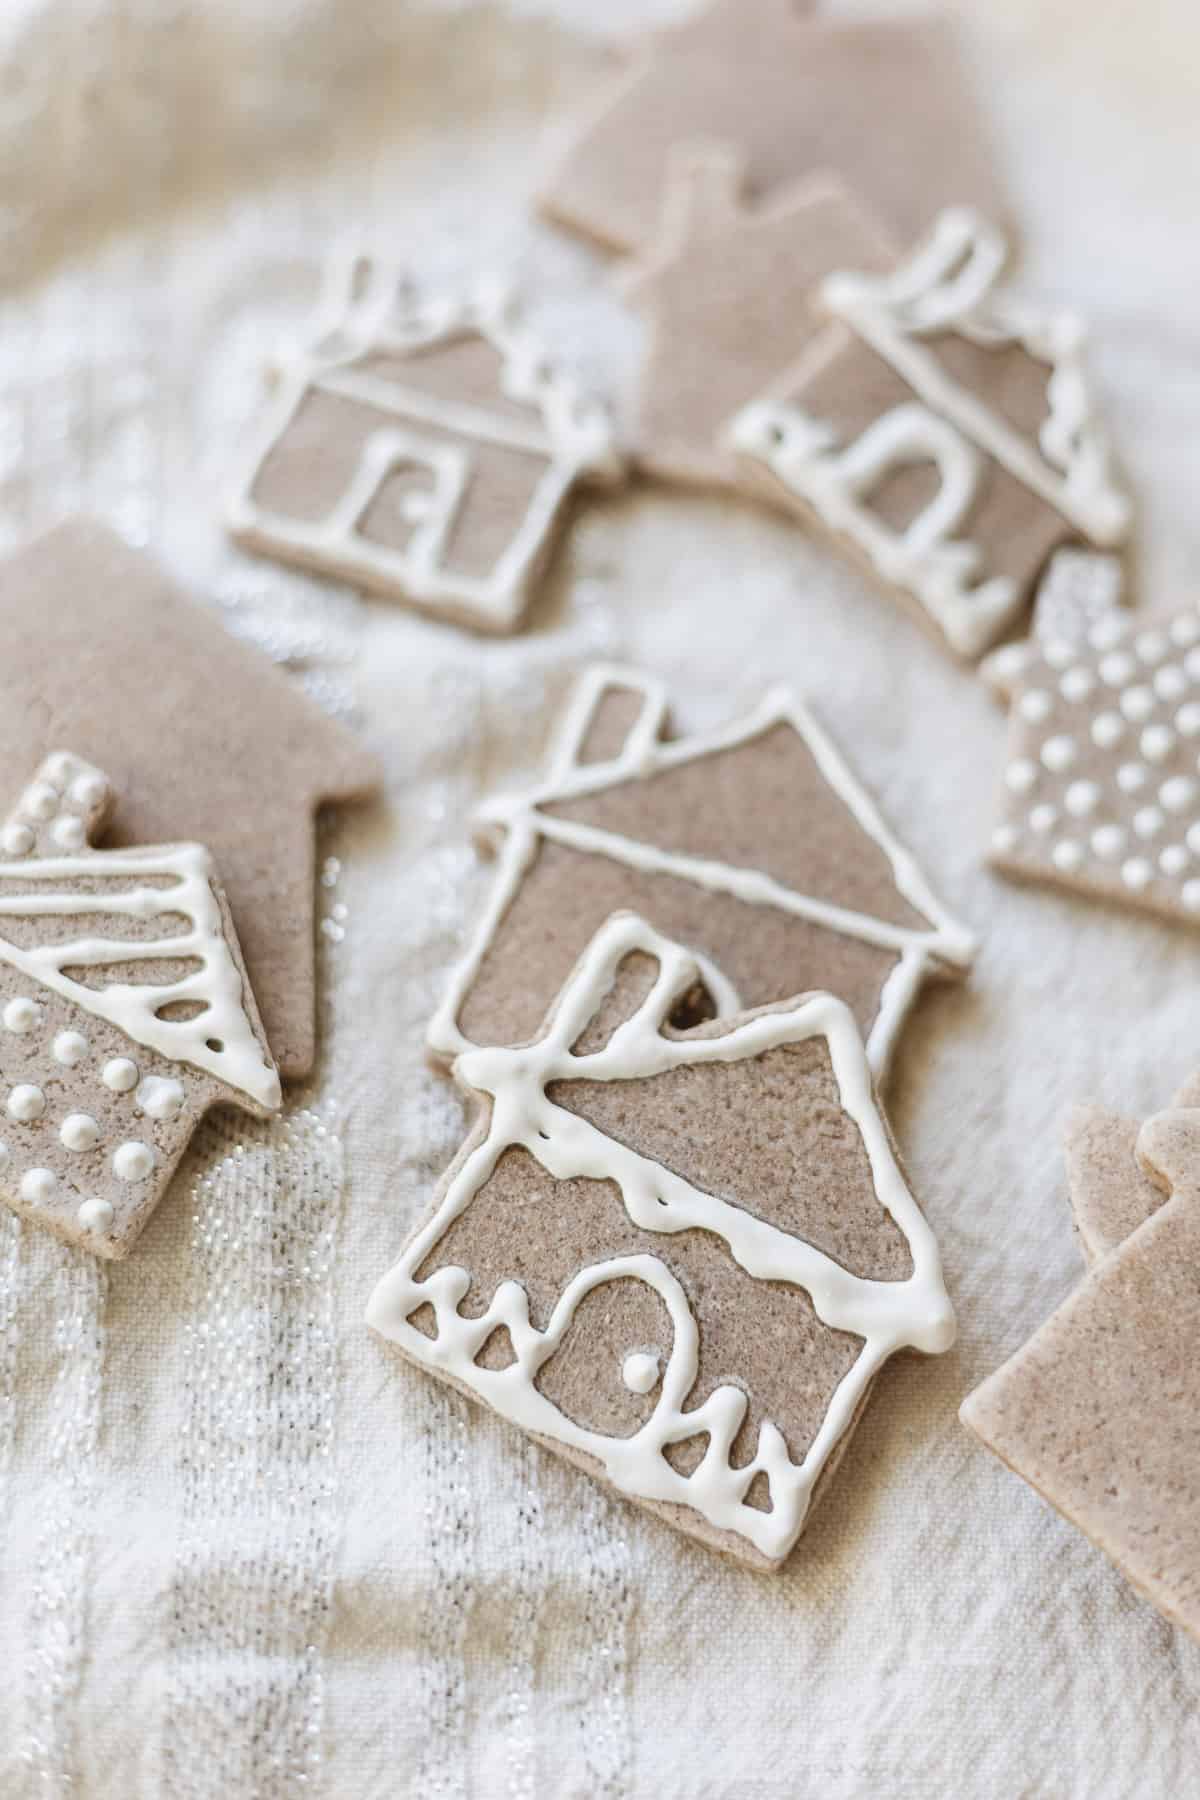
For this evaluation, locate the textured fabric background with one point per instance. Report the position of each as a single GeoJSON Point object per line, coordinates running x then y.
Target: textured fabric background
{"type": "Point", "coordinates": [245, 1552]}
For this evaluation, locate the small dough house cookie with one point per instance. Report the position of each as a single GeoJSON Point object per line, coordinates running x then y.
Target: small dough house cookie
{"type": "Point", "coordinates": [943, 432]}
{"type": "Point", "coordinates": [1100, 1411]}
{"type": "Point", "coordinates": [686, 832]}
{"type": "Point", "coordinates": [421, 446]}
{"type": "Point", "coordinates": [679, 1262]}
{"type": "Point", "coordinates": [125, 1013]}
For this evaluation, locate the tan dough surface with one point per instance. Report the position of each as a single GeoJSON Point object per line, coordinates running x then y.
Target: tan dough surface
{"type": "Point", "coordinates": [104, 654]}
{"type": "Point", "coordinates": [1101, 1409]}
{"type": "Point", "coordinates": [792, 95]}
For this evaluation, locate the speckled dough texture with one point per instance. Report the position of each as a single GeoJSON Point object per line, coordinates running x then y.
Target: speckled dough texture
{"type": "Point", "coordinates": [80, 1094]}
{"type": "Point", "coordinates": [1101, 1409]}
{"type": "Point", "coordinates": [793, 95]}
{"type": "Point", "coordinates": [728, 294]}
{"type": "Point", "coordinates": [769, 1134]}
{"type": "Point", "coordinates": [105, 654]}
{"type": "Point", "coordinates": [1110, 1193]}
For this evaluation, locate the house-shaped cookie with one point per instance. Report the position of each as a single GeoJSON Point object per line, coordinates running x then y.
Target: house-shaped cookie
{"type": "Point", "coordinates": [753, 845]}
{"type": "Point", "coordinates": [1100, 1411]}
{"type": "Point", "coordinates": [883, 104]}
{"type": "Point", "coordinates": [1101, 786]}
{"type": "Point", "coordinates": [125, 1013]}
{"type": "Point", "coordinates": [1111, 1194]}
{"type": "Point", "coordinates": [199, 735]}
{"type": "Point", "coordinates": [677, 1261]}
{"type": "Point", "coordinates": [420, 446]}
{"type": "Point", "coordinates": [943, 433]}
{"type": "Point", "coordinates": [728, 294]}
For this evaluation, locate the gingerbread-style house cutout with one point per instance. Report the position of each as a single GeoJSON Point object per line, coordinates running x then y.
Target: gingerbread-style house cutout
{"type": "Point", "coordinates": [420, 446]}
{"type": "Point", "coordinates": [729, 296]}
{"type": "Point", "coordinates": [125, 1013]}
{"type": "Point", "coordinates": [931, 375]}
{"type": "Point", "coordinates": [715, 1276]}
{"type": "Point", "coordinates": [753, 845]}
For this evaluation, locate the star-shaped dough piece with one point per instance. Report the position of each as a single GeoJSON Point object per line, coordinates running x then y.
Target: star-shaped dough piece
{"type": "Point", "coordinates": [1100, 1411]}
{"type": "Point", "coordinates": [1101, 786]}
{"type": "Point", "coordinates": [728, 298]}
{"type": "Point", "coordinates": [200, 736]}
{"type": "Point", "coordinates": [880, 104]}
{"type": "Point", "coordinates": [125, 1013]}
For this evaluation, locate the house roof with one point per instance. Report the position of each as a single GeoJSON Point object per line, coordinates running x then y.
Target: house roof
{"type": "Point", "coordinates": [645, 752]}
{"type": "Point", "coordinates": [201, 736]}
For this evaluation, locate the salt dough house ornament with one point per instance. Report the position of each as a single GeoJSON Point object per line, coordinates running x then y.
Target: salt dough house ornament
{"type": "Point", "coordinates": [125, 1013]}
{"type": "Point", "coordinates": [943, 432]}
{"type": "Point", "coordinates": [728, 297]}
{"type": "Point", "coordinates": [792, 95]}
{"type": "Point", "coordinates": [1100, 1411]}
{"type": "Point", "coordinates": [420, 446]}
{"type": "Point", "coordinates": [678, 1262]}
{"type": "Point", "coordinates": [753, 845]}
{"type": "Point", "coordinates": [1101, 789]}
{"type": "Point", "coordinates": [199, 735]}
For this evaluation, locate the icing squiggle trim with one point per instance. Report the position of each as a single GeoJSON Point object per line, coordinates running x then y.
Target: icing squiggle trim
{"type": "Point", "coordinates": [368, 309]}
{"type": "Point", "coordinates": [220, 1040]}
{"type": "Point", "coordinates": [888, 1316]}
{"type": "Point", "coordinates": [645, 754]}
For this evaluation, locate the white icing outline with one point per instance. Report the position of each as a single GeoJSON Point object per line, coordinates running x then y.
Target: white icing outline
{"type": "Point", "coordinates": [888, 1316]}
{"type": "Point", "coordinates": [242, 1064]}
{"type": "Point", "coordinates": [367, 309]}
{"type": "Point", "coordinates": [645, 753]}
{"type": "Point", "coordinates": [946, 285]}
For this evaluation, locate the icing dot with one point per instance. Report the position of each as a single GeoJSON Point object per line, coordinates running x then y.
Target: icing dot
{"type": "Point", "coordinates": [1067, 855]}
{"type": "Point", "coordinates": [1148, 821]}
{"type": "Point", "coordinates": [1058, 753]}
{"type": "Point", "coordinates": [1006, 664]}
{"type": "Point", "coordinates": [133, 1162]}
{"type": "Point", "coordinates": [1170, 682]}
{"type": "Point", "coordinates": [1081, 798]}
{"type": "Point", "coordinates": [1131, 777]}
{"type": "Point", "coordinates": [95, 1215]}
{"type": "Point", "coordinates": [1058, 652]}
{"type": "Point", "coordinates": [1193, 839]}
{"type": "Point", "coordinates": [120, 1075]}
{"type": "Point", "coordinates": [68, 832]}
{"type": "Point", "coordinates": [1076, 684]}
{"type": "Point", "coordinates": [1043, 819]}
{"type": "Point", "coordinates": [1136, 873]}
{"type": "Point", "coordinates": [39, 1185]}
{"type": "Point", "coordinates": [1185, 630]}
{"type": "Point", "coordinates": [1003, 838]}
{"type": "Point", "coordinates": [79, 1131]}
{"type": "Point", "coordinates": [26, 1103]}
{"type": "Point", "coordinates": [1021, 775]}
{"type": "Point", "coordinates": [1178, 793]}
{"type": "Point", "coordinates": [1174, 860]}
{"type": "Point", "coordinates": [1157, 742]}
{"type": "Point", "coordinates": [1106, 729]}
{"type": "Point", "coordinates": [58, 770]}
{"type": "Point", "coordinates": [21, 1015]}
{"type": "Point", "coordinates": [88, 791]}
{"type": "Point", "coordinates": [1137, 703]}
{"type": "Point", "coordinates": [1117, 668]}
{"type": "Point", "coordinates": [1188, 719]}
{"type": "Point", "coordinates": [1035, 705]}
{"type": "Point", "coordinates": [40, 801]}
{"type": "Point", "coordinates": [1151, 646]}
{"type": "Point", "coordinates": [639, 1371]}
{"type": "Point", "coordinates": [17, 840]}
{"type": "Point", "coordinates": [70, 1048]}
{"type": "Point", "coordinates": [1106, 632]}
{"type": "Point", "coordinates": [159, 1098]}
{"type": "Point", "coordinates": [1108, 840]}
{"type": "Point", "coordinates": [1191, 895]}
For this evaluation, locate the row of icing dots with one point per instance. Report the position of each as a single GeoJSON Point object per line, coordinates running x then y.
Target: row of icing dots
{"type": "Point", "coordinates": [61, 805]}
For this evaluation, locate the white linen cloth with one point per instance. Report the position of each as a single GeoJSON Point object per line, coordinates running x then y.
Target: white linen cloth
{"type": "Point", "coordinates": [244, 1551]}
